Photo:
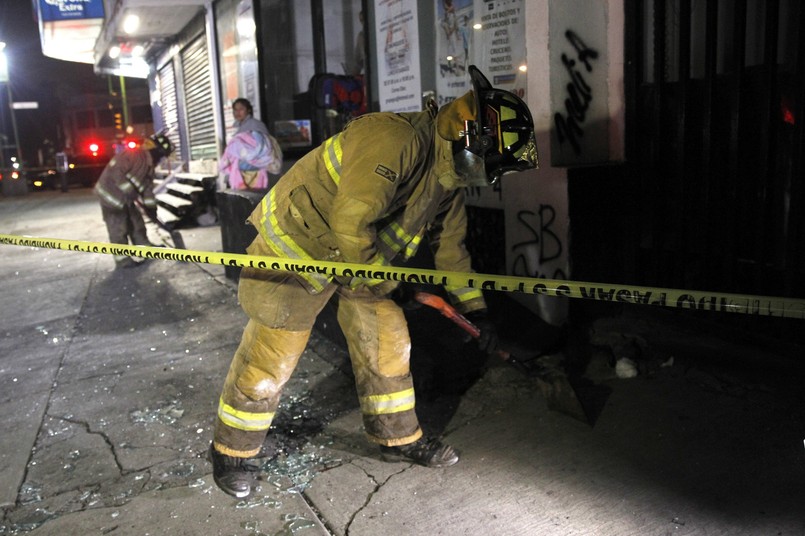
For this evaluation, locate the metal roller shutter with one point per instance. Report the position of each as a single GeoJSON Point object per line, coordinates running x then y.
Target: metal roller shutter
{"type": "Point", "coordinates": [198, 101]}
{"type": "Point", "coordinates": [170, 107]}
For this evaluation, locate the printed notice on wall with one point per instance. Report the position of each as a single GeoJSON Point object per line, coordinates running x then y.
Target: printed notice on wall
{"type": "Point", "coordinates": [454, 27]}
{"type": "Point", "coordinates": [400, 85]}
{"type": "Point", "coordinates": [500, 43]}
{"type": "Point", "coordinates": [489, 34]}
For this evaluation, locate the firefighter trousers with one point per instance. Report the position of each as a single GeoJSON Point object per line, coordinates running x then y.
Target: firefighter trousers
{"type": "Point", "coordinates": [281, 315]}
{"type": "Point", "coordinates": [123, 225]}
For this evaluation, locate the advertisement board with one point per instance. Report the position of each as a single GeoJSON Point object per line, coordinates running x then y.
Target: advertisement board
{"type": "Point", "coordinates": [56, 10]}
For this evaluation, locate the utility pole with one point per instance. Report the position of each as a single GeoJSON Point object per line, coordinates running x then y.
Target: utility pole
{"type": "Point", "coordinates": [125, 103]}
{"type": "Point", "coordinates": [14, 123]}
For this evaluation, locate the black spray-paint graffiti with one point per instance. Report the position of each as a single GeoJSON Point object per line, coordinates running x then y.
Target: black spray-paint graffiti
{"type": "Point", "coordinates": [579, 93]}
{"type": "Point", "coordinates": [538, 227]}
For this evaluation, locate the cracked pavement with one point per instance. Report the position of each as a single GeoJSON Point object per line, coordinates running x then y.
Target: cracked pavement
{"type": "Point", "coordinates": [109, 382]}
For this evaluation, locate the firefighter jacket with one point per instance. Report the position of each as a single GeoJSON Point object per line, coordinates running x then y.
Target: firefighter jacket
{"type": "Point", "coordinates": [128, 176]}
{"type": "Point", "coordinates": [369, 195]}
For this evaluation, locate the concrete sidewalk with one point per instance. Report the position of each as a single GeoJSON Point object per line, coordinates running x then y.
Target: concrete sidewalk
{"type": "Point", "coordinates": [109, 382]}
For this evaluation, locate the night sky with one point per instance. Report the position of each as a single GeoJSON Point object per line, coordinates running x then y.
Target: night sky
{"type": "Point", "coordinates": [35, 77]}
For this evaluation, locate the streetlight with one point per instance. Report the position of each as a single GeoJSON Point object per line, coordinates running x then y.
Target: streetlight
{"type": "Point", "coordinates": [5, 79]}
{"type": "Point", "coordinates": [3, 63]}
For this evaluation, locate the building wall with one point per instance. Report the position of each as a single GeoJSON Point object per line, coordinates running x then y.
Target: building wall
{"type": "Point", "coordinates": [536, 203]}
{"type": "Point", "coordinates": [532, 205]}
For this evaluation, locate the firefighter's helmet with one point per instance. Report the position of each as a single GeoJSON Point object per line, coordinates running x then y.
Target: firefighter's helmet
{"type": "Point", "coordinates": [492, 132]}
{"type": "Point", "coordinates": [159, 144]}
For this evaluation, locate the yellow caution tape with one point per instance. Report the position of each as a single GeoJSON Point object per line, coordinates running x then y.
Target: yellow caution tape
{"type": "Point", "coordinates": [666, 297]}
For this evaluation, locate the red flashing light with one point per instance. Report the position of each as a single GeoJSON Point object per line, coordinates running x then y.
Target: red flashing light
{"type": "Point", "coordinates": [94, 148]}
{"type": "Point", "coordinates": [787, 106]}
{"type": "Point", "coordinates": [131, 144]}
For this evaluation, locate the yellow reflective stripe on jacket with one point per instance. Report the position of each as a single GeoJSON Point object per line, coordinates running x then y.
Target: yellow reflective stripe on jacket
{"type": "Point", "coordinates": [390, 403]}
{"type": "Point", "coordinates": [281, 243]}
{"type": "Point", "coordinates": [135, 181]}
{"type": "Point", "coordinates": [243, 420]}
{"type": "Point", "coordinates": [332, 157]}
{"type": "Point", "coordinates": [395, 237]}
{"type": "Point", "coordinates": [108, 196]}
{"type": "Point", "coordinates": [464, 294]}
{"type": "Point", "coordinates": [397, 240]}
{"type": "Point", "coordinates": [412, 246]}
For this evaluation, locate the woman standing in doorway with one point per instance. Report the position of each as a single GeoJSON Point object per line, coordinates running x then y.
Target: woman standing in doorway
{"type": "Point", "coordinates": [251, 153]}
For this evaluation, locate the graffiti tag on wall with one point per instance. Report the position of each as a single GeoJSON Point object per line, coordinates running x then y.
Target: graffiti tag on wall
{"type": "Point", "coordinates": [542, 244]}
{"type": "Point", "coordinates": [569, 126]}
{"type": "Point", "coordinates": [580, 78]}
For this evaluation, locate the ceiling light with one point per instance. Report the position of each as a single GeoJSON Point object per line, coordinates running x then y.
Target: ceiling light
{"type": "Point", "coordinates": [131, 24]}
{"type": "Point", "coordinates": [246, 26]}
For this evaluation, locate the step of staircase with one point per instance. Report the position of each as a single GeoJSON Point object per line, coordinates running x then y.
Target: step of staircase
{"type": "Point", "coordinates": [183, 196]}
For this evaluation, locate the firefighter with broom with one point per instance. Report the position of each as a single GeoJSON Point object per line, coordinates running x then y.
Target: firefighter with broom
{"type": "Point", "coordinates": [126, 181]}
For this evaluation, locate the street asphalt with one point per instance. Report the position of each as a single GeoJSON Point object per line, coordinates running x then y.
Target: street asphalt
{"type": "Point", "coordinates": [109, 382]}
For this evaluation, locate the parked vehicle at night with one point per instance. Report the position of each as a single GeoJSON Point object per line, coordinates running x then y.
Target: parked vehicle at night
{"type": "Point", "coordinates": [84, 166]}
{"type": "Point", "coordinates": [13, 179]}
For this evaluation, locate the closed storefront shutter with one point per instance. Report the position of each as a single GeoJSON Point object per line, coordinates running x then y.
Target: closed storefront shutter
{"type": "Point", "coordinates": [198, 100]}
{"type": "Point", "coordinates": [170, 107]}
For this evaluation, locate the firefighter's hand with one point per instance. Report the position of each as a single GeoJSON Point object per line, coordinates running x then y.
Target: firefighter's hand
{"type": "Point", "coordinates": [488, 340]}
{"type": "Point", "coordinates": [403, 296]}
{"type": "Point", "coordinates": [152, 214]}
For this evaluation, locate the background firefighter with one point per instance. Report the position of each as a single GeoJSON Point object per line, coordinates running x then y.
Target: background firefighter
{"type": "Point", "coordinates": [127, 178]}
{"type": "Point", "coordinates": [368, 195]}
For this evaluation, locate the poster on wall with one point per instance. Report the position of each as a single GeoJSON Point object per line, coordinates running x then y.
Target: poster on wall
{"type": "Point", "coordinates": [487, 33]}
{"type": "Point", "coordinates": [454, 48]}
{"type": "Point", "coordinates": [400, 85]}
{"type": "Point", "coordinates": [500, 44]}
{"type": "Point", "coordinates": [491, 35]}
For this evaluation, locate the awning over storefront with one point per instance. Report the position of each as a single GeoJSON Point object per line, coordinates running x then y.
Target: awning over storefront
{"type": "Point", "coordinates": [139, 29]}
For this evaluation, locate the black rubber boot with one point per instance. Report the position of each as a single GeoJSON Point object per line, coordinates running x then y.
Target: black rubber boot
{"type": "Point", "coordinates": [428, 452]}
{"type": "Point", "coordinates": [234, 476]}
{"type": "Point", "coordinates": [128, 262]}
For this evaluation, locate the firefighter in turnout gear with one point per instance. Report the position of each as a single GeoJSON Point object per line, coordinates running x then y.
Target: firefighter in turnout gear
{"type": "Point", "coordinates": [367, 195]}
{"type": "Point", "coordinates": [127, 178]}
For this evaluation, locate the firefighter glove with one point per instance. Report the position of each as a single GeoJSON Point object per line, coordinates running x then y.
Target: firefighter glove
{"type": "Point", "coordinates": [152, 214]}
{"type": "Point", "coordinates": [488, 339]}
{"type": "Point", "coordinates": [403, 296]}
